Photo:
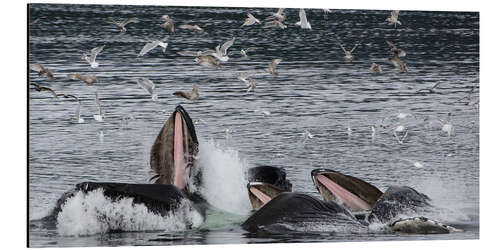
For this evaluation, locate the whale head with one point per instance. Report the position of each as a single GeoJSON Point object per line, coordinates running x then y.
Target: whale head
{"type": "Point", "coordinates": [265, 183]}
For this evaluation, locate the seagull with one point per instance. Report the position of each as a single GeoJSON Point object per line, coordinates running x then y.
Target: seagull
{"type": "Point", "coordinates": [263, 112]}
{"type": "Point", "coordinates": [303, 23]}
{"type": "Point", "coordinates": [250, 20]}
{"type": "Point", "coordinates": [221, 51]}
{"type": "Point", "coordinates": [192, 96]}
{"type": "Point", "coordinates": [100, 116]}
{"type": "Point", "coordinates": [196, 53]}
{"type": "Point", "coordinates": [122, 24]}
{"type": "Point", "coordinates": [393, 19]}
{"type": "Point", "coordinates": [41, 88]}
{"type": "Point", "coordinates": [431, 89]}
{"type": "Point", "coordinates": [305, 136]}
{"type": "Point", "coordinates": [242, 52]}
{"type": "Point", "coordinates": [148, 86]}
{"type": "Point", "coordinates": [35, 21]}
{"type": "Point", "coordinates": [168, 25]}
{"type": "Point", "coordinates": [325, 13]}
{"type": "Point", "coordinates": [280, 16]}
{"type": "Point", "coordinates": [90, 58]}
{"type": "Point", "coordinates": [127, 119]}
{"type": "Point", "coordinates": [400, 129]}
{"type": "Point", "coordinates": [396, 51]}
{"type": "Point", "coordinates": [446, 125]}
{"type": "Point", "coordinates": [271, 69]}
{"type": "Point", "coordinates": [250, 84]}
{"type": "Point", "coordinates": [190, 27]}
{"type": "Point", "coordinates": [42, 71]}
{"type": "Point", "coordinates": [349, 131]}
{"type": "Point", "coordinates": [77, 112]}
{"type": "Point", "coordinates": [398, 63]}
{"type": "Point", "coordinates": [88, 79]}
{"type": "Point", "coordinates": [207, 61]}
{"type": "Point", "coordinates": [375, 68]}
{"type": "Point", "coordinates": [274, 23]}
{"type": "Point", "coordinates": [151, 45]}
{"type": "Point", "coordinates": [468, 97]}
{"type": "Point", "coordinates": [348, 54]}
{"type": "Point", "coordinates": [374, 132]}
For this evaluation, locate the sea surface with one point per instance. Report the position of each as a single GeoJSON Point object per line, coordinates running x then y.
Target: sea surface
{"type": "Point", "coordinates": [315, 90]}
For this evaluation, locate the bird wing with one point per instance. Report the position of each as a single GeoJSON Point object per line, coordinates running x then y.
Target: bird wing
{"type": "Point", "coordinates": [280, 11]}
{"type": "Point", "coordinates": [50, 90]}
{"type": "Point", "coordinates": [36, 67]}
{"type": "Point", "coordinates": [181, 94]}
{"type": "Point", "coordinates": [148, 47]}
{"type": "Point", "coordinates": [355, 46]}
{"type": "Point", "coordinates": [396, 61]}
{"type": "Point", "coordinates": [94, 52]}
{"type": "Point", "coordinates": [74, 76]}
{"type": "Point", "coordinates": [390, 44]}
{"type": "Point", "coordinates": [395, 14]}
{"type": "Point", "coordinates": [302, 16]}
{"type": "Point", "coordinates": [186, 26]}
{"type": "Point", "coordinates": [130, 20]}
{"type": "Point", "coordinates": [226, 46]}
{"type": "Point", "coordinates": [435, 85]}
{"type": "Point", "coordinates": [111, 21]}
{"type": "Point", "coordinates": [340, 44]}
{"type": "Point", "coordinates": [98, 103]}
{"type": "Point", "coordinates": [146, 84]}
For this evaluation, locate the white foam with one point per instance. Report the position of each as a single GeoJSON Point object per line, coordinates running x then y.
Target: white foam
{"type": "Point", "coordinates": [93, 213]}
{"type": "Point", "coordinates": [224, 178]}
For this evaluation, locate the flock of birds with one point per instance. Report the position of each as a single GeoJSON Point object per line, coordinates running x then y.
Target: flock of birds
{"type": "Point", "coordinates": [214, 58]}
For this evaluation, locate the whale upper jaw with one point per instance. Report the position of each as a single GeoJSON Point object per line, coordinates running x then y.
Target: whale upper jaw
{"type": "Point", "coordinates": [353, 193]}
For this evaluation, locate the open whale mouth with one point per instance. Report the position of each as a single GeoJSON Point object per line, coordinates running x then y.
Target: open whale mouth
{"type": "Point", "coordinates": [350, 192]}
{"type": "Point", "coordinates": [174, 150]}
{"type": "Point", "coordinates": [265, 183]}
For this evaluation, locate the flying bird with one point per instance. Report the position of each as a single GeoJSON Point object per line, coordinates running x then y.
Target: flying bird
{"type": "Point", "coordinates": [396, 51]}
{"type": "Point", "coordinates": [305, 136]}
{"type": "Point", "coordinates": [100, 116]}
{"type": "Point", "coordinates": [196, 53]}
{"type": "Point", "coordinates": [88, 79]}
{"type": "Point", "coordinates": [279, 15]}
{"type": "Point", "coordinates": [431, 89]}
{"type": "Point", "coordinates": [393, 19]}
{"type": "Point", "coordinates": [375, 68]}
{"type": "Point", "coordinates": [221, 51]}
{"type": "Point", "coordinates": [77, 112]}
{"type": "Point", "coordinates": [303, 23]}
{"type": "Point", "coordinates": [122, 24]}
{"type": "Point", "coordinates": [274, 23]}
{"type": "Point", "coordinates": [151, 45]}
{"type": "Point", "coordinates": [207, 61]}
{"type": "Point", "coordinates": [190, 27]}
{"type": "Point", "coordinates": [348, 53]}
{"type": "Point", "coordinates": [90, 58]}
{"type": "Point", "coordinates": [41, 88]}
{"type": "Point", "coordinates": [42, 71]}
{"type": "Point", "coordinates": [250, 20]}
{"type": "Point", "coordinates": [168, 25]}
{"type": "Point", "coordinates": [250, 84]}
{"type": "Point", "coordinates": [148, 86]}
{"type": "Point", "coordinates": [271, 69]}
{"type": "Point", "coordinates": [325, 13]}
{"type": "Point", "coordinates": [398, 63]}
{"type": "Point", "coordinates": [192, 96]}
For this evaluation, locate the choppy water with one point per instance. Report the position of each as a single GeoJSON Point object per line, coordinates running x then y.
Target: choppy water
{"type": "Point", "coordinates": [315, 91]}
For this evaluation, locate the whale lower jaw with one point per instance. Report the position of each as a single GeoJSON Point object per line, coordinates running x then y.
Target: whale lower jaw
{"type": "Point", "coordinates": [261, 193]}
{"type": "Point", "coordinates": [421, 225]}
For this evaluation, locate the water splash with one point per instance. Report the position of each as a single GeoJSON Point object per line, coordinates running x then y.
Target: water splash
{"type": "Point", "coordinates": [224, 177]}
{"type": "Point", "coordinates": [93, 213]}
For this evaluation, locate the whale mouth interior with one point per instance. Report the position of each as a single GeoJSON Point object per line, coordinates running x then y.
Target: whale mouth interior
{"type": "Point", "coordinates": [348, 191]}
{"type": "Point", "coordinates": [261, 193]}
{"type": "Point", "coordinates": [179, 164]}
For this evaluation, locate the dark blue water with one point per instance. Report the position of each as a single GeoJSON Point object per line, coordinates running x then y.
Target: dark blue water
{"type": "Point", "coordinates": [315, 91]}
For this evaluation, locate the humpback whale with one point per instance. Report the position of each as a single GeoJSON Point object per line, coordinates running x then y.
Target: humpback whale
{"type": "Point", "coordinates": [265, 183]}
{"type": "Point", "coordinates": [172, 159]}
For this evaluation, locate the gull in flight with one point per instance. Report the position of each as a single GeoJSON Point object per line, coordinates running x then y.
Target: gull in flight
{"type": "Point", "coordinates": [196, 53]}
{"type": "Point", "coordinates": [88, 79]}
{"type": "Point", "coordinates": [399, 130]}
{"type": "Point", "coordinates": [398, 63]}
{"type": "Point", "coordinates": [375, 68]}
{"type": "Point", "coordinates": [446, 125]}
{"type": "Point", "coordinates": [263, 112]}
{"type": "Point", "coordinates": [151, 45]}
{"type": "Point", "coordinates": [127, 119]}
{"type": "Point", "coordinates": [221, 51]}
{"type": "Point", "coordinates": [395, 50]}
{"type": "Point", "coordinates": [431, 89]}
{"type": "Point", "coordinates": [271, 69]}
{"type": "Point", "coordinates": [250, 84]}
{"type": "Point", "coordinates": [207, 61]}
{"type": "Point", "coordinates": [468, 97]}
{"type": "Point", "coordinates": [122, 24]}
{"type": "Point", "coordinates": [168, 25]}
{"type": "Point", "coordinates": [348, 53]}
{"type": "Point", "coordinates": [148, 86]}
{"type": "Point", "coordinates": [303, 23]}
{"type": "Point", "coordinates": [279, 16]}
{"type": "Point", "coordinates": [242, 52]}
{"type": "Point", "coordinates": [274, 23]}
{"type": "Point", "coordinates": [349, 131]}
{"type": "Point", "coordinates": [41, 88]}
{"type": "Point", "coordinates": [305, 136]}
{"type": "Point", "coordinates": [77, 112]}
{"type": "Point", "coordinates": [393, 19]}
{"type": "Point", "coordinates": [325, 13]}
{"type": "Point", "coordinates": [192, 96]}
{"type": "Point", "coordinates": [250, 20]}
{"type": "Point", "coordinates": [42, 71]}
{"type": "Point", "coordinates": [100, 116]}
{"type": "Point", "coordinates": [190, 27]}
{"type": "Point", "coordinates": [90, 58]}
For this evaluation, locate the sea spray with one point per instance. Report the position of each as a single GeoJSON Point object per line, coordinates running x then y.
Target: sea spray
{"type": "Point", "coordinates": [93, 213]}
{"type": "Point", "coordinates": [224, 177]}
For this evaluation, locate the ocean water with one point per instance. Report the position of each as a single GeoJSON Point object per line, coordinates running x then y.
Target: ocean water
{"type": "Point", "coordinates": [315, 90]}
